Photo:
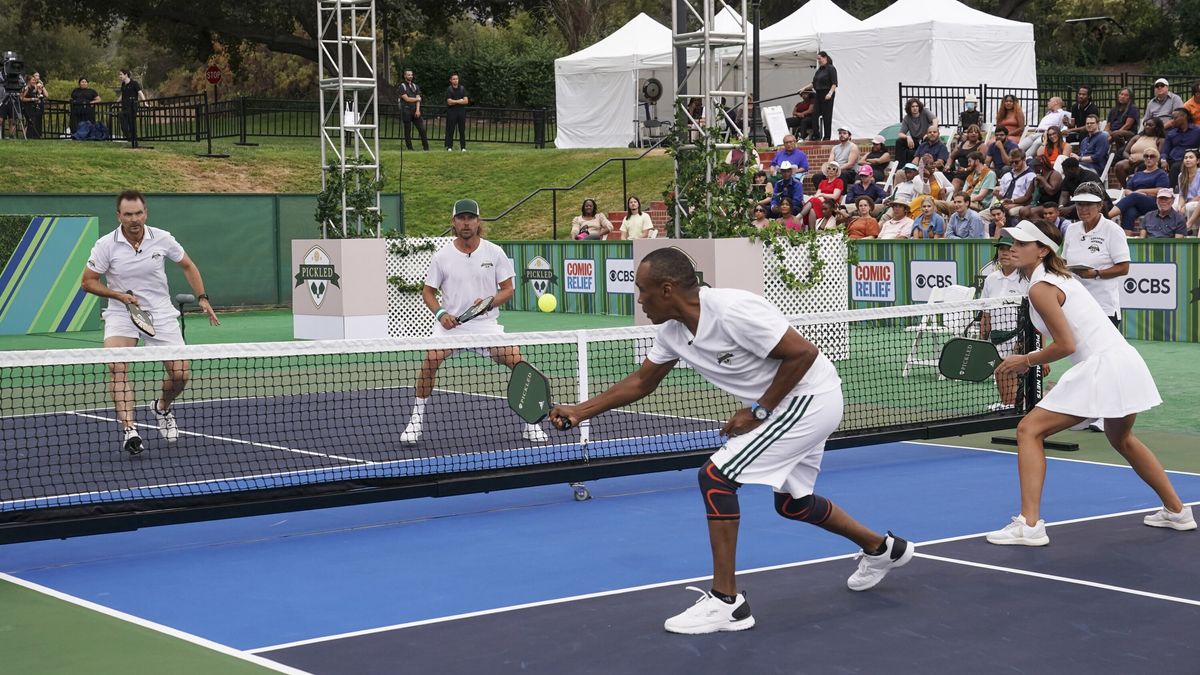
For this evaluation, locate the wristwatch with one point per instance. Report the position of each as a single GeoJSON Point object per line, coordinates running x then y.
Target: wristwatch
{"type": "Point", "coordinates": [760, 413]}
{"type": "Point", "coordinates": [202, 296]}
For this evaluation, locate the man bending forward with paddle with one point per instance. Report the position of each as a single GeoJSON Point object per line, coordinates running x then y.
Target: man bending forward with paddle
{"type": "Point", "coordinates": [465, 271]}
{"type": "Point", "coordinates": [131, 258]}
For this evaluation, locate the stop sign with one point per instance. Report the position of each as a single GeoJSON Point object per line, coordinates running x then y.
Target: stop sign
{"type": "Point", "coordinates": [213, 74]}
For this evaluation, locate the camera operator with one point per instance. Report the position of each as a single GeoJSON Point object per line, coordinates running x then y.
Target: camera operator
{"type": "Point", "coordinates": [33, 104]}
{"type": "Point", "coordinates": [12, 82]}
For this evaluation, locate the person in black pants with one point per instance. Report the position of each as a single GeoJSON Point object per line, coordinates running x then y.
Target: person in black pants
{"type": "Point", "coordinates": [131, 96]}
{"type": "Point", "coordinates": [824, 85]}
{"type": "Point", "coordinates": [410, 110]}
{"type": "Point", "coordinates": [456, 113]}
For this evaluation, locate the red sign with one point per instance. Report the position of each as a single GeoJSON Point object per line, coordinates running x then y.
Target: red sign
{"type": "Point", "coordinates": [213, 74]}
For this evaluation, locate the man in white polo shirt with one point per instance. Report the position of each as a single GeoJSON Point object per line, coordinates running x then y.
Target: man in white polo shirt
{"type": "Point", "coordinates": [463, 272]}
{"type": "Point", "coordinates": [131, 259]}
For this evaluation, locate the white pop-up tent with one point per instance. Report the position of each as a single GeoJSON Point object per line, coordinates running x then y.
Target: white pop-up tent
{"type": "Point", "coordinates": [596, 88]}
{"type": "Point", "coordinates": [923, 42]}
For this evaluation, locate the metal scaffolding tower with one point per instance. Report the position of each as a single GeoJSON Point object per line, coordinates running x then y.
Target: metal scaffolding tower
{"type": "Point", "coordinates": [699, 55]}
{"type": "Point", "coordinates": [349, 106]}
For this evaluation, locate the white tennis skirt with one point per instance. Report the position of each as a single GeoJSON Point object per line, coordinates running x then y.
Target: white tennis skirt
{"type": "Point", "coordinates": [1113, 383]}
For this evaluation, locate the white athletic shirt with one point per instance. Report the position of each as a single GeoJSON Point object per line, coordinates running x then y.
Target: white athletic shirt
{"type": "Point", "coordinates": [1093, 332]}
{"type": "Point", "coordinates": [461, 278]}
{"type": "Point", "coordinates": [1101, 248]}
{"type": "Point", "coordinates": [736, 332]}
{"type": "Point", "coordinates": [138, 272]}
{"type": "Point", "coordinates": [999, 285]}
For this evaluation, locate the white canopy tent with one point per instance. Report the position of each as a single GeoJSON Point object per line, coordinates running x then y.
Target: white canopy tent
{"type": "Point", "coordinates": [596, 88]}
{"type": "Point", "coordinates": [932, 42]}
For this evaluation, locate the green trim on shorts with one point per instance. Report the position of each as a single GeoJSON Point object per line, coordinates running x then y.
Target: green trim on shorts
{"type": "Point", "coordinates": [735, 466]}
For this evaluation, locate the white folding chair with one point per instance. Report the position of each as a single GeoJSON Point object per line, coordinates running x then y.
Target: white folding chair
{"type": "Point", "coordinates": [932, 325]}
{"type": "Point", "coordinates": [1107, 164]}
{"type": "Point", "coordinates": [891, 173]}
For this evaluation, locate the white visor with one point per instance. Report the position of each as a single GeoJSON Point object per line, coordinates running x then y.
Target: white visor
{"type": "Point", "coordinates": [1027, 231]}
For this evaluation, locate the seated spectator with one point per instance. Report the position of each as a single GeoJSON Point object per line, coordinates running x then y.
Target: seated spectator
{"type": "Point", "coordinates": [913, 127]}
{"type": "Point", "coordinates": [1079, 113]}
{"type": "Point", "coordinates": [835, 216]}
{"type": "Point", "coordinates": [933, 149]}
{"type": "Point", "coordinates": [83, 98]}
{"type": "Point", "coordinates": [1182, 136]}
{"type": "Point", "coordinates": [1016, 188]}
{"type": "Point", "coordinates": [1193, 103]}
{"type": "Point", "coordinates": [1074, 175]}
{"type": "Point", "coordinates": [865, 186]}
{"type": "Point", "coordinates": [1053, 145]}
{"type": "Point", "coordinates": [745, 162]}
{"type": "Point", "coordinates": [1189, 189]}
{"type": "Point", "coordinates": [980, 184]}
{"type": "Point", "coordinates": [964, 223]}
{"type": "Point", "coordinates": [1122, 122]}
{"type": "Point", "coordinates": [791, 154]}
{"type": "Point", "coordinates": [831, 187]}
{"type": "Point", "coordinates": [862, 225]}
{"type": "Point", "coordinates": [1048, 186]}
{"type": "Point", "coordinates": [933, 185]}
{"type": "Point", "coordinates": [760, 217]}
{"type": "Point", "coordinates": [1010, 117]}
{"type": "Point", "coordinates": [761, 189]}
{"type": "Point", "coordinates": [845, 153]}
{"type": "Point", "coordinates": [897, 224]}
{"type": "Point", "coordinates": [998, 219]}
{"type": "Point", "coordinates": [787, 186]}
{"type": "Point", "coordinates": [801, 121]}
{"type": "Point", "coordinates": [1164, 222]}
{"type": "Point", "coordinates": [1048, 211]}
{"type": "Point", "coordinates": [1153, 135]}
{"type": "Point", "coordinates": [787, 215]}
{"type": "Point", "coordinates": [1055, 117]}
{"type": "Point", "coordinates": [928, 225]}
{"type": "Point", "coordinates": [878, 158]}
{"type": "Point", "coordinates": [968, 142]}
{"type": "Point", "coordinates": [637, 225]}
{"type": "Point", "coordinates": [590, 223]}
{"type": "Point", "coordinates": [904, 186]}
{"type": "Point", "coordinates": [1093, 147]}
{"type": "Point", "coordinates": [1141, 189]}
{"type": "Point", "coordinates": [970, 115]}
{"type": "Point", "coordinates": [999, 150]}
{"type": "Point", "coordinates": [1163, 103]}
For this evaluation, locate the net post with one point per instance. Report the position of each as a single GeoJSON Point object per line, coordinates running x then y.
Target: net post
{"type": "Point", "coordinates": [1029, 344]}
{"type": "Point", "coordinates": [581, 353]}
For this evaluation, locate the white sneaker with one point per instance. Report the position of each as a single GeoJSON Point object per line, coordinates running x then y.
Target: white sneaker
{"type": "Point", "coordinates": [412, 432]}
{"type": "Point", "coordinates": [710, 615]}
{"type": "Point", "coordinates": [133, 442]}
{"type": "Point", "coordinates": [1097, 425]}
{"type": "Point", "coordinates": [1083, 425]}
{"type": "Point", "coordinates": [1176, 521]}
{"type": "Point", "coordinates": [534, 433]}
{"type": "Point", "coordinates": [166, 423]}
{"type": "Point", "coordinates": [1017, 533]}
{"type": "Point", "coordinates": [873, 568]}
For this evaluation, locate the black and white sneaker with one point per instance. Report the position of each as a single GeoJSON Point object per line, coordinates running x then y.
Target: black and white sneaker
{"type": "Point", "coordinates": [133, 442]}
{"type": "Point", "coordinates": [711, 614]}
{"type": "Point", "coordinates": [873, 568]}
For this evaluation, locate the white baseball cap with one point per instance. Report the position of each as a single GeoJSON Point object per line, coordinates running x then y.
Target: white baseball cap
{"type": "Point", "coordinates": [785, 165]}
{"type": "Point", "coordinates": [1027, 231]}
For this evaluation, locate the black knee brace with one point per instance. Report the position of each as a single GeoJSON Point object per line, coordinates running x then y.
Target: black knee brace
{"type": "Point", "coordinates": [720, 494]}
{"type": "Point", "coordinates": [813, 509]}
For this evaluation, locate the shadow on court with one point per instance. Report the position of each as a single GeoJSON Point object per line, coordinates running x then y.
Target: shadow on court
{"type": "Point", "coordinates": [1108, 595]}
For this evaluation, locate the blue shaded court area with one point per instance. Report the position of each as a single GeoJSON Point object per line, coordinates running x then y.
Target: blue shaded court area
{"type": "Point", "coordinates": [532, 581]}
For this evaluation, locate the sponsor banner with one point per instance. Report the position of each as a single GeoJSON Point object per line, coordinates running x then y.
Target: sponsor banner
{"type": "Point", "coordinates": [317, 274]}
{"type": "Point", "coordinates": [618, 275]}
{"type": "Point", "coordinates": [580, 276]}
{"type": "Point", "coordinates": [873, 281]}
{"type": "Point", "coordinates": [1150, 286]}
{"type": "Point", "coordinates": [926, 275]}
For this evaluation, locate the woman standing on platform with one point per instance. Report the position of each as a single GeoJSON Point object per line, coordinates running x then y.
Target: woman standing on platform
{"type": "Point", "coordinates": [824, 86]}
{"type": "Point", "coordinates": [1107, 379]}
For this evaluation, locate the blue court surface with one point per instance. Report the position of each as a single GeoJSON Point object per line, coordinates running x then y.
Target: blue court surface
{"type": "Point", "coordinates": [531, 581]}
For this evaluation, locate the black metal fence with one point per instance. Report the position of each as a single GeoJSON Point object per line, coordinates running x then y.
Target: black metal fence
{"type": "Point", "coordinates": [183, 118]}
{"type": "Point", "coordinates": [946, 102]}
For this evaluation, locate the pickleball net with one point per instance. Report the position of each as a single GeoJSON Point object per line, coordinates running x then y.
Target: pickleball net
{"type": "Point", "coordinates": [281, 422]}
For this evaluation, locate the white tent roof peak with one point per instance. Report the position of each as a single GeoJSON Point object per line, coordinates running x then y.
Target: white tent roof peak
{"type": "Point", "coordinates": [910, 12]}
{"type": "Point", "coordinates": [729, 21]}
{"type": "Point", "coordinates": [641, 36]}
{"type": "Point", "coordinates": [816, 16]}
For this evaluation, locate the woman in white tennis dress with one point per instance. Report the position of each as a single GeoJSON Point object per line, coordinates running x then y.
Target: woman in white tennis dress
{"type": "Point", "coordinates": [1107, 379]}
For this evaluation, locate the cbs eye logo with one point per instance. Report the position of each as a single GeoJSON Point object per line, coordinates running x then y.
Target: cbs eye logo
{"type": "Point", "coordinates": [1148, 286]}
{"type": "Point", "coordinates": [934, 281]}
{"type": "Point", "coordinates": [620, 275]}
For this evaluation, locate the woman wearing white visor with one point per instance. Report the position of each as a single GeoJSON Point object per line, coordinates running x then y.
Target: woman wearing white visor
{"type": "Point", "coordinates": [1064, 311]}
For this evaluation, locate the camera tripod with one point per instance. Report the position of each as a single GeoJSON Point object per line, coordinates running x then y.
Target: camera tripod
{"type": "Point", "coordinates": [14, 115]}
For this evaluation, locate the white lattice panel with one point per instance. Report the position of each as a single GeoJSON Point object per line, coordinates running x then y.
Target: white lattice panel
{"type": "Point", "coordinates": [831, 295]}
{"type": "Point", "coordinates": [407, 314]}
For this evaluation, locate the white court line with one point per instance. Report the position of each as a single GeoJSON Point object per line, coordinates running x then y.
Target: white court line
{"type": "Point", "coordinates": [1048, 457]}
{"type": "Point", "coordinates": [157, 627]}
{"type": "Point", "coordinates": [240, 441]}
{"type": "Point", "coordinates": [634, 589]}
{"type": "Point", "coordinates": [1055, 577]}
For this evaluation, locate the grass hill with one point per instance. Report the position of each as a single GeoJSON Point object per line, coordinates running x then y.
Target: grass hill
{"type": "Point", "coordinates": [496, 175]}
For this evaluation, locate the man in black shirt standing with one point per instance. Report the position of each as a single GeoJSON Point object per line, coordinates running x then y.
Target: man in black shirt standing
{"type": "Point", "coordinates": [456, 114]}
{"type": "Point", "coordinates": [131, 96]}
{"type": "Point", "coordinates": [410, 110]}
{"type": "Point", "coordinates": [83, 97]}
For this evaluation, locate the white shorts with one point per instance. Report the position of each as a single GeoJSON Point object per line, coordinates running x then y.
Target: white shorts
{"type": "Point", "coordinates": [166, 331]}
{"type": "Point", "coordinates": [477, 327]}
{"type": "Point", "coordinates": [784, 452]}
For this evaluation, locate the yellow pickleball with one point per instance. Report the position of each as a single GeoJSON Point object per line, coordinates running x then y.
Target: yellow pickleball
{"type": "Point", "coordinates": [547, 302]}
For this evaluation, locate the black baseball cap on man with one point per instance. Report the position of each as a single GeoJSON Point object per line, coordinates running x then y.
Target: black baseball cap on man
{"type": "Point", "coordinates": [466, 206]}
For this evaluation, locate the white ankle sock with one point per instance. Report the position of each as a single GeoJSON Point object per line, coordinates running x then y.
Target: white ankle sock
{"type": "Point", "coordinates": [418, 410]}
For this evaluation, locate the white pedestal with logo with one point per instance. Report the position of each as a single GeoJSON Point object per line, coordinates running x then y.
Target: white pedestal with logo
{"type": "Point", "coordinates": [339, 289]}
